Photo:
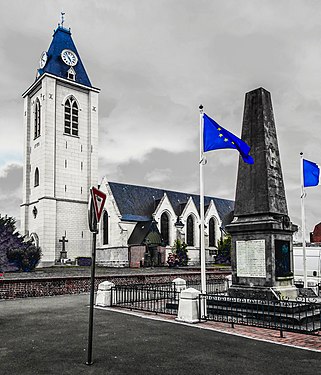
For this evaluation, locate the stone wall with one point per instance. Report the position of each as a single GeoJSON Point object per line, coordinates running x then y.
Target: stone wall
{"type": "Point", "coordinates": [22, 288]}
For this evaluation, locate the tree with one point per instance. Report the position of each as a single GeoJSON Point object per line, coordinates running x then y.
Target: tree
{"type": "Point", "coordinates": [224, 250]}
{"type": "Point", "coordinates": [15, 252]}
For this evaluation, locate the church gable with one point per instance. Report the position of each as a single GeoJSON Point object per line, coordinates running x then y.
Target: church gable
{"type": "Point", "coordinates": [190, 208]}
{"type": "Point", "coordinates": [164, 206]}
{"type": "Point", "coordinates": [211, 211]}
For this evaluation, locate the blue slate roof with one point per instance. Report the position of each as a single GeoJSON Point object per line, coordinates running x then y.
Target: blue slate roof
{"type": "Point", "coordinates": [137, 203]}
{"type": "Point", "coordinates": [62, 40]}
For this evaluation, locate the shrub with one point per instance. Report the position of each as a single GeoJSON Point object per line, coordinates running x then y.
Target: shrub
{"type": "Point", "coordinates": [180, 249]}
{"type": "Point", "coordinates": [15, 252]}
{"type": "Point", "coordinates": [25, 257]}
{"type": "Point", "coordinates": [224, 250]}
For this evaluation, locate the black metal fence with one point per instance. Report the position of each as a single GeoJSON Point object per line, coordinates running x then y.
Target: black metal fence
{"type": "Point", "coordinates": [160, 297]}
{"type": "Point", "coordinates": [213, 286]}
{"type": "Point", "coordinates": [157, 298]}
{"type": "Point", "coordinates": [302, 315]}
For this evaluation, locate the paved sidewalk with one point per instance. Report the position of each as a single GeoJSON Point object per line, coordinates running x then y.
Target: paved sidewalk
{"type": "Point", "coordinates": [295, 340]}
{"type": "Point", "coordinates": [48, 335]}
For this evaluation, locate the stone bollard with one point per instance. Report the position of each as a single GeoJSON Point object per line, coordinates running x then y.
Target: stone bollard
{"type": "Point", "coordinates": [179, 284]}
{"type": "Point", "coordinates": [188, 307]}
{"type": "Point", "coordinates": [104, 294]}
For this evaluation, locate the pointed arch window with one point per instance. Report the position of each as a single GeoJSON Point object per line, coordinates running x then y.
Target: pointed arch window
{"type": "Point", "coordinates": [165, 228]}
{"type": "Point", "coordinates": [71, 116]}
{"type": "Point", "coordinates": [105, 228]}
{"type": "Point", "coordinates": [37, 122]}
{"type": "Point", "coordinates": [211, 232]}
{"type": "Point", "coordinates": [190, 231]}
{"type": "Point", "coordinates": [36, 177]}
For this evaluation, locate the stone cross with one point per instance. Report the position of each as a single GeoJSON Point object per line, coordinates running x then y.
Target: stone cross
{"type": "Point", "coordinates": [63, 252]}
{"type": "Point", "coordinates": [63, 240]}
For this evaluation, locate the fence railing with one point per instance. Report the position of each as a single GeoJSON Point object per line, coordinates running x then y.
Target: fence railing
{"type": "Point", "coordinates": [162, 300]}
{"type": "Point", "coordinates": [302, 315]}
{"type": "Point", "coordinates": [158, 297]}
{"type": "Point", "coordinates": [213, 286]}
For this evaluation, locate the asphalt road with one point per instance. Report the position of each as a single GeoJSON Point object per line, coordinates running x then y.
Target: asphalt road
{"type": "Point", "coordinates": [49, 336]}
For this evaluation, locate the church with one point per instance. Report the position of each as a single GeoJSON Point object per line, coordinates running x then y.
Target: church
{"type": "Point", "coordinates": [139, 224]}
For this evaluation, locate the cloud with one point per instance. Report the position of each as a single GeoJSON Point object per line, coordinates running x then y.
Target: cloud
{"type": "Point", "coordinates": [158, 175]}
{"type": "Point", "coordinates": [11, 190]}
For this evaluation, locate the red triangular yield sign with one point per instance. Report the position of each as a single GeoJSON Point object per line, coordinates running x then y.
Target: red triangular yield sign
{"type": "Point", "coordinates": [99, 199]}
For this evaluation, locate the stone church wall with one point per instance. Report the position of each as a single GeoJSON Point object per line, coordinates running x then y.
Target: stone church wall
{"type": "Point", "coordinates": [112, 256]}
{"type": "Point", "coordinates": [73, 222]}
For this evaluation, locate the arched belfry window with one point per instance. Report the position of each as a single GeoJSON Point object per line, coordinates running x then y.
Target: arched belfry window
{"type": "Point", "coordinates": [165, 228]}
{"type": "Point", "coordinates": [211, 232]}
{"type": "Point", "coordinates": [190, 231]}
{"type": "Point", "coordinates": [37, 119]}
{"type": "Point", "coordinates": [71, 116]}
{"type": "Point", "coordinates": [36, 177]}
{"type": "Point", "coordinates": [105, 228]}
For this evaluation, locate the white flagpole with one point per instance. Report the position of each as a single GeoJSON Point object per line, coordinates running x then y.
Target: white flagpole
{"type": "Point", "coordinates": [202, 243]}
{"type": "Point", "coordinates": [303, 226]}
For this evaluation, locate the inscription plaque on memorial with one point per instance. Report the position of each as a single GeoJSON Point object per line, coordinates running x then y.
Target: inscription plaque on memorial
{"type": "Point", "coordinates": [250, 258]}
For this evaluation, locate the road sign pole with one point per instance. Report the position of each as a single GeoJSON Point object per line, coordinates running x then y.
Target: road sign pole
{"type": "Point", "coordinates": [91, 307]}
{"type": "Point", "coordinates": [95, 208]}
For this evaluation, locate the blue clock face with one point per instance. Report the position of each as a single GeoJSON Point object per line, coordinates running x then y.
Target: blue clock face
{"type": "Point", "coordinates": [69, 57]}
{"type": "Point", "coordinates": [43, 59]}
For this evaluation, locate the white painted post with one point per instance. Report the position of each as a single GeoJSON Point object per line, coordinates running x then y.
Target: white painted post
{"type": "Point", "coordinates": [104, 294]}
{"type": "Point", "coordinates": [188, 307]}
{"type": "Point", "coordinates": [179, 284]}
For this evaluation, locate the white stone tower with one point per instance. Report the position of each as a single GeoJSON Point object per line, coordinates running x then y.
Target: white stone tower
{"type": "Point", "coordinates": [60, 152]}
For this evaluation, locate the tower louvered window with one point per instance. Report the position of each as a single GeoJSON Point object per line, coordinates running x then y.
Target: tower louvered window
{"type": "Point", "coordinates": [37, 119]}
{"type": "Point", "coordinates": [71, 116]}
{"type": "Point", "coordinates": [190, 231]}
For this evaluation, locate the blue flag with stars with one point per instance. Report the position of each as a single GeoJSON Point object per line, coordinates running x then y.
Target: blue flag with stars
{"type": "Point", "coordinates": [215, 137]}
{"type": "Point", "coordinates": [311, 173]}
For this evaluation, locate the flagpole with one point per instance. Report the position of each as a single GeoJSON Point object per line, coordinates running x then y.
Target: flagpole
{"type": "Point", "coordinates": [202, 243]}
{"type": "Point", "coordinates": [303, 226]}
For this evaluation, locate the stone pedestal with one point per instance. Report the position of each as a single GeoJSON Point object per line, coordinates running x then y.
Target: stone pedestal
{"type": "Point", "coordinates": [188, 307]}
{"type": "Point", "coordinates": [104, 294]}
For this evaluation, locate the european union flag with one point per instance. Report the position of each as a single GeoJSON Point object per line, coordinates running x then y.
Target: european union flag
{"type": "Point", "coordinates": [311, 173]}
{"type": "Point", "coordinates": [215, 137]}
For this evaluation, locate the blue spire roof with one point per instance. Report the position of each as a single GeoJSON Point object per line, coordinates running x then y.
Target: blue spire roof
{"type": "Point", "coordinates": [62, 40]}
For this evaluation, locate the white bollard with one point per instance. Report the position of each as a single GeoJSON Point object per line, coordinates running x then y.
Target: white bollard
{"type": "Point", "coordinates": [188, 307]}
{"type": "Point", "coordinates": [104, 297]}
{"type": "Point", "coordinates": [179, 284]}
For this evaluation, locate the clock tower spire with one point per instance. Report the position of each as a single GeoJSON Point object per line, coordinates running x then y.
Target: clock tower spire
{"type": "Point", "coordinates": [60, 153]}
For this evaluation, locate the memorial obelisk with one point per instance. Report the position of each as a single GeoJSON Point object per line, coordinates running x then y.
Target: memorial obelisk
{"type": "Point", "coordinates": [262, 233]}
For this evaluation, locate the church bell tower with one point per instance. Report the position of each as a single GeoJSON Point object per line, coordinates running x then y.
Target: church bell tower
{"type": "Point", "coordinates": [60, 152]}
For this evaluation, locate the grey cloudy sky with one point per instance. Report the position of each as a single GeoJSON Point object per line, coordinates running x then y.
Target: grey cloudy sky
{"type": "Point", "coordinates": [155, 62]}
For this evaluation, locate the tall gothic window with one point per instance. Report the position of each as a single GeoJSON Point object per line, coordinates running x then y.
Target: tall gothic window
{"type": "Point", "coordinates": [105, 228]}
{"type": "Point", "coordinates": [36, 177]}
{"type": "Point", "coordinates": [37, 119]}
{"type": "Point", "coordinates": [190, 231]}
{"type": "Point", "coordinates": [211, 232]}
{"type": "Point", "coordinates": [71, 116]}
{"type": "Point", "coordinates": [165, 228]}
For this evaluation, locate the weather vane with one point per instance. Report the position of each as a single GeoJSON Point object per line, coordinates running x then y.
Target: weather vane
{"type": "Point", "coordinates": [62, 18]}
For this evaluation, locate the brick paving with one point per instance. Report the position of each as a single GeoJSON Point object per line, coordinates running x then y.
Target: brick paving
{"type": "Point", "coordinates": [292, 339]}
